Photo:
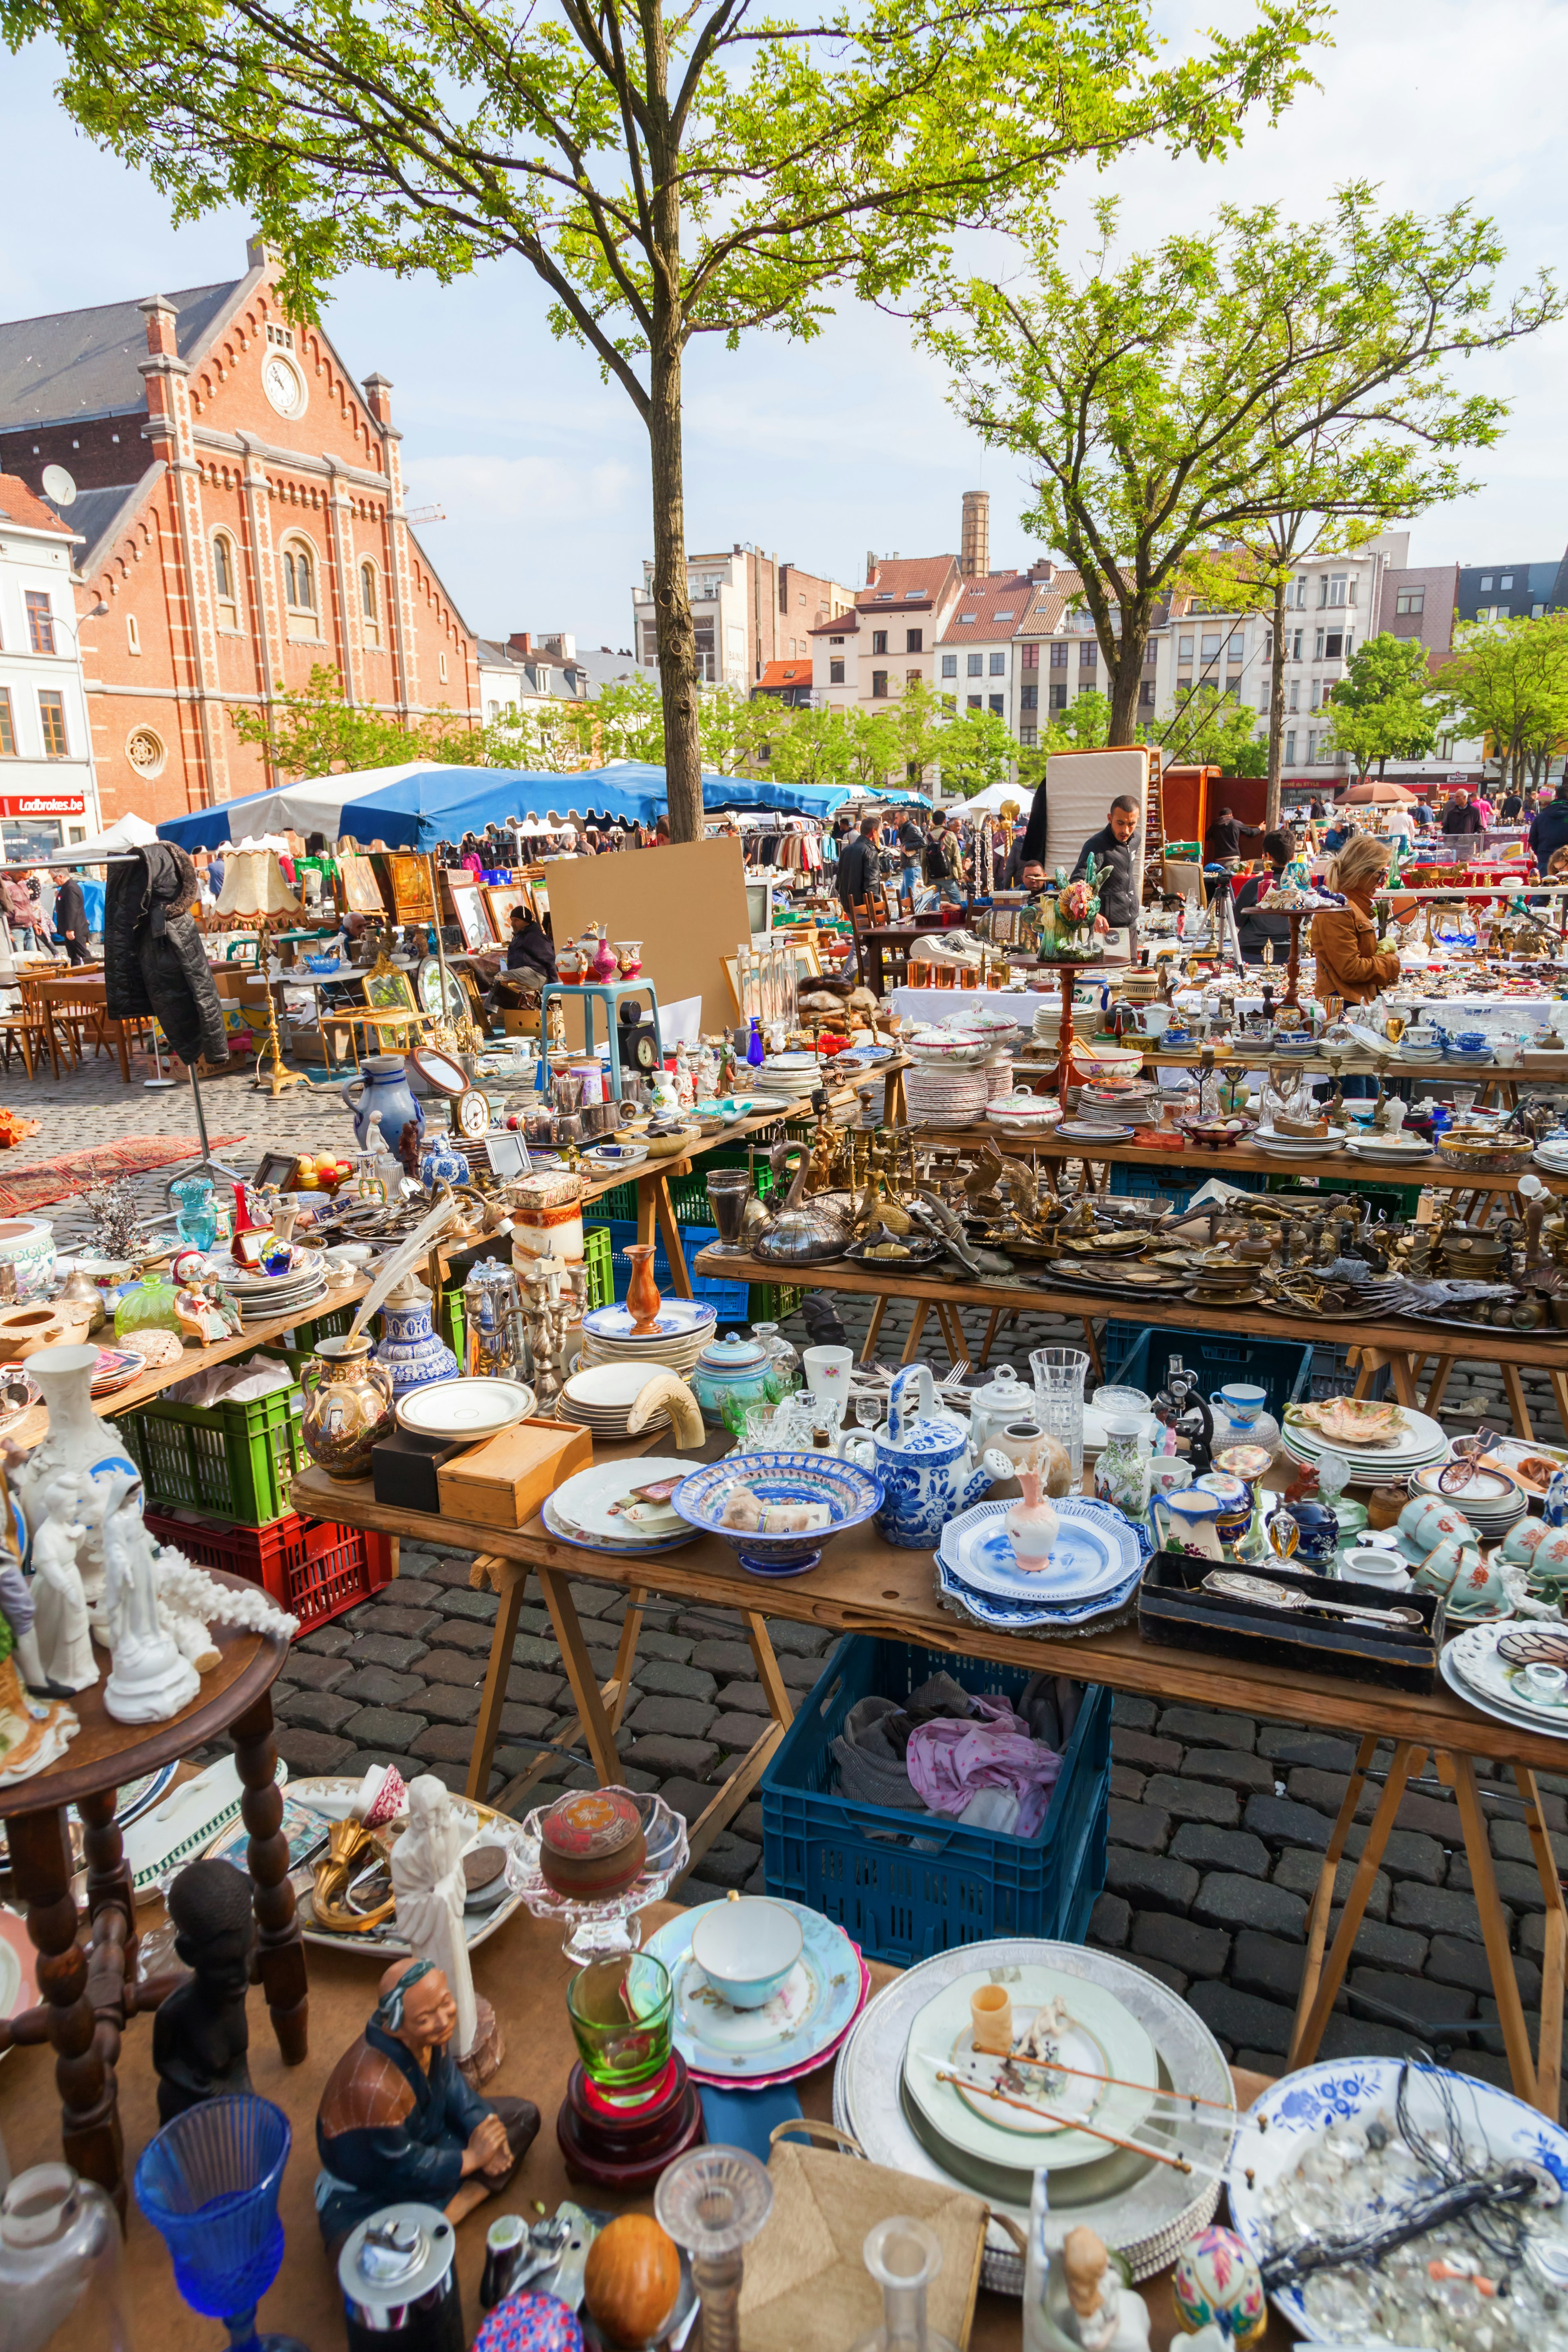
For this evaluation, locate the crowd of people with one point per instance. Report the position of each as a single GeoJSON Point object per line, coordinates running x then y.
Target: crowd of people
{"type": "Point", "coordinates": [48, 911]}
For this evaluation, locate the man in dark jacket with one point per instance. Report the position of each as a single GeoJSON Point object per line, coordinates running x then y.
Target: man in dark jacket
{"type": "Point", "coordinates": [944, 861]}
{"type": "Point", "coordinates": [1461, 815]}
{"type": "Point", "coordinates": [1549, 830]}
{"type": "Point", "coordinates": [1253, 925]}
{"type": "Point", "coordinates": [911, 842]}
{"type": "Point", "coordinates": [70, 919]}
{"type": "Point", "coordinates": [1222, 842]}
{"type": "Point", "coordinates": [1120, 892]}
{"type": "Point", "coordinates": [859, 870]}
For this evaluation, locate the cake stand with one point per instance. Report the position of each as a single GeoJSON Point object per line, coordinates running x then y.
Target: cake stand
{"type": "Point", "coordinates": [598, 1927]}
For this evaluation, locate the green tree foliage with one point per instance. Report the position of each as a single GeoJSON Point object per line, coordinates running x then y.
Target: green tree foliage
{"type": "Point", "coordinates": [312, 731]}
{"type": "Point", "coordinates": [666, 173]}
{"type": "Point", "coordinates": [972, 748]}
{"type": "Point", "coordinates": [1381, 708]}
{"type": "Point", "coordinates": [1508, 681]}
{"type": "Point", "coordinates": [1183, 399]}
{"type": "Point", "coordinates": [1206, 727]}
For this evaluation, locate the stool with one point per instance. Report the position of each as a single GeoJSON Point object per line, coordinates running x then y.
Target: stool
{"type": "Point", "coordinates": [609, 992]}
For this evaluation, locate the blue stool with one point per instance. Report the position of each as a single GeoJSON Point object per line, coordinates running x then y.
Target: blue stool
{"type": "Point", "coordinates": [609, 992]}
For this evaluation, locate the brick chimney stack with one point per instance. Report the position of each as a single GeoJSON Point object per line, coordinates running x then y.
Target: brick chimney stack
{"type": "Point", "coordinates": [974, 545]}
{"type": "Point", "coordinates": [871, 566]}
{"type": "Point", "coordinates": [377, 390]}
{"type": "Point", "coordinates": [521, 643]}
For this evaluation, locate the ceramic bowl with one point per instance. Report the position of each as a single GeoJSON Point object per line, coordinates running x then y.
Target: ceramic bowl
{"type": "Point", "coordinates": [1364, 1564]}
{"type": "Point", "coordinates": [746, 1948]}
{"type": "Point", "coordinates": [851, 1495]}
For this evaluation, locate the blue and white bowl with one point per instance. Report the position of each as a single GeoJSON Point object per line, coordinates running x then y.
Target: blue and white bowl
{"type": "Point", "coordinates": [852, 1496]}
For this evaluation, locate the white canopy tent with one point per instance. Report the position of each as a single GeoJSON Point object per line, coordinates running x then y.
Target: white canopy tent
{"type": "Point", "coordinates": [990, 802]}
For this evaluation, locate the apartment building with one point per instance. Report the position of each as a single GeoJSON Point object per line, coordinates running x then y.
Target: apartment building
{"type": "Point", "coordinates": [1422, 603]}
{"type": "Point", "coordinates": [748, 609]}
{"type": "Point", "coordinates": [48, 795]}
{"type": "Point", "coordinates": [1510, 592]}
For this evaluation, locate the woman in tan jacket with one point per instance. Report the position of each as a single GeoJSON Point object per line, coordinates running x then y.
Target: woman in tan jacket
{"type": "Point", "coordinates": [1344, 939]}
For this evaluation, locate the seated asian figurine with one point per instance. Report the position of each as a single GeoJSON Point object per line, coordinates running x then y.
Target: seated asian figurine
{"type": "Point", "coordinates": [397, 2122]}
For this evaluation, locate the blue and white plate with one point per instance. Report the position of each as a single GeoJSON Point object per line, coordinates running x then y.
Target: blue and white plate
{"type": "Point", "coordinates": [1276, 2133]}
{"type": "Point", "coordinates": [1096, 1551]}
{"type": "Point", "coordinates": [813, 2009]}
{"type": "Point", "coordinates": [677, 1318]}
{"type": "Point", "coordinates": [1020, 1616]}
{"type": "Point", "coordinates": [848, 1494]}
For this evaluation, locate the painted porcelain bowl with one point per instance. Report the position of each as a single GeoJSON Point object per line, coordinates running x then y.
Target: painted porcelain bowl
{"type": "Point", "coordinates": [851, 1496]}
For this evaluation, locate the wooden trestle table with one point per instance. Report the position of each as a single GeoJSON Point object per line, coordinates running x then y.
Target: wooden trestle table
{"type": "Point", "coordinates": [865, 1586]}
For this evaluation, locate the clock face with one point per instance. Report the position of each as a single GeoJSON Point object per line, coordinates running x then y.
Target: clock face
{"type": "Point", "coordinates": [646, 1055]}
{"type": "Point", "coordinates": [280, 381]}
{"type": "Point", "coordinates": [472, 1114]}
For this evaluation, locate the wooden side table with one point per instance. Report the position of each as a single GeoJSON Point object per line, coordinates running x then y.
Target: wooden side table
{"type": "Point", "coordinates": [89, 1989]}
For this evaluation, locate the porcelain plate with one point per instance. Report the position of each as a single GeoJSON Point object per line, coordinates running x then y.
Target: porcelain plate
{"type": "Point", "coordinates": [791, 2034]}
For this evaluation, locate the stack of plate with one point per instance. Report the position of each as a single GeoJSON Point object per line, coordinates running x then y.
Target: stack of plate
{"type": "Point", "coordinates": [262, 1298]}
{"type": "Point", "coordinates": [798, 2028]}
{"type": "Point", "coordinates": [783, 1078]}
{"type": "Point", "coordinates": [1093, 1569]}
{"type": "Point", "coordinates": [600, 1398]}
{"type": "Point", "coordinates": [1492, 1500]}
{"type": "Point", "coordinates": [1100, 1129]}
{"type": "Point", "coordinates": [683, 1329]}
{"type": "Point", "coordinates": [1473, 1664]}
{"type": "Point", "coordinates": [939, 1097]}
{"type": "Point", "coordinates": [115, 1369]}
{"type": "Point", "coordinates": [1552, 1155]}
{"type": "Point", "coordinates": [1391, 1151]}
{"type": "Point", "coordinates": [1415, 1442]}
{"type": "Point", "coordinates": [1298, 1147]}
{"type": "Point", "coordinates": [580, 1512]}
{"type": "Point", "coordinates": [1112, 2020]}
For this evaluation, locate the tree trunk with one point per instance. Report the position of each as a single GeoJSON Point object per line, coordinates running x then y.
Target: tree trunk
{"type": "Point", "coordinates": [672, 605]}
{"type": "Point", "coordinates": [1125, 680]}
{"type": "Point", "coordinates": [1275, 711]}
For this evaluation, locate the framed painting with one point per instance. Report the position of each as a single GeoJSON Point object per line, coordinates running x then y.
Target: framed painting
{"type": "Point", "coordinates": [362, 891]}
{"type": "Point", "coordinates": [502, 898]}
{"type": "Point", "coordinates": [409, 879]}
{"type": "Point", "coordinates": [473, 914]}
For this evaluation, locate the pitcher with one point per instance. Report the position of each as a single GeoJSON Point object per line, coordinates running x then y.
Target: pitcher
{"type": "Point", "coordinates": [380, 1093]}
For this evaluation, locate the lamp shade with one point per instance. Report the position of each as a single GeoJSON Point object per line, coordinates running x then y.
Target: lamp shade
{"type": "Point", "coordinates": [253, 883]}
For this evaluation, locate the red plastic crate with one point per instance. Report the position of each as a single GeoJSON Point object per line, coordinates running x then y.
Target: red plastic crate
{"type": "Point", "coordinates": [315, 1569]}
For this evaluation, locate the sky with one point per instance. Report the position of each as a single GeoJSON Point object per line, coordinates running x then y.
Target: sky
{"type": "Point", "coordinates": [821, 452]}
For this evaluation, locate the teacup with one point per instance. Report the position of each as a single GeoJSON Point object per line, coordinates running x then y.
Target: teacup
{"type": "Point", "coordinates": [746, 1948]}
{"type": "Point", "coordinates": [1478, 1590]}
{"type": "Point", "coordinates": [1240, 1401]}
{"type": "Point", "coordinates": [1549, 1559]}
{"type": "Point", "coordinates": [1524, 1539]}
{"type": "Point", "coordinates": [1506, 1051]}
{"type": "Point", "coordinates": [1427, 1521]}
{"type": "Point", "coordinates": [1447, 1565]}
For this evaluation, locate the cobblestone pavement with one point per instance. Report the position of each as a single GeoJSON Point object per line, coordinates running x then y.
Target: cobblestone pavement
{"type": "Point", "coordinates": [1216, 1821]}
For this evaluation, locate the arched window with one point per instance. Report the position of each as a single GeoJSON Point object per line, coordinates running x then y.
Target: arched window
{"type": "Point", "coordinates": [299, 588]}
{"type": "Point", "coordinates": [370, 604]}
{"type": "Point", "coordinates": [224, 574]}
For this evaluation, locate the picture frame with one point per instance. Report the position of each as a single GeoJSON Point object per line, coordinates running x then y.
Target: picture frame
{"type": "Point", "coordinates": [362, 891]}
{"type": "Point", "coordinates": [408, 877]}
{"type": "Point", "coordinates": [388, 991]}
{"type": "Point", "coordinates": [472, 911]}
{"type": "Point", "coordinates": [502, 898]}
{"type": "Point", "coordinates": [275, 1167]}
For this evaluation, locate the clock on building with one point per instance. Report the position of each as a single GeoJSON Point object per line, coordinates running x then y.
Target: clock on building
{"type": "Point", "coordinates": [282, 382]}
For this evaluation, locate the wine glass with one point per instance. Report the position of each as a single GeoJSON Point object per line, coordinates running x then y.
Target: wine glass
{"type": "Point", "coordinates": [868, 1411]}
{"type": "Point", "coordinates": [208, 2183]}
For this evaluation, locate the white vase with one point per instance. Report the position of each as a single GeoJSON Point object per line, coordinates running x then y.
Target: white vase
{"type": "Point", "coordinates": [76, 1440]}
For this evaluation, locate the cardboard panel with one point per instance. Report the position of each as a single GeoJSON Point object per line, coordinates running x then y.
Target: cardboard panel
{"type": "Point", "coordinates": [1079, 789]}
{"type": "Point", "coordinates": [685, 904]}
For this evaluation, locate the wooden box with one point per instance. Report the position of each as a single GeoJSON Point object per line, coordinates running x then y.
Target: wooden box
{"type": "Point", "coordinates": [502, 1482]}
{"type": "Point", "coordinates": [1170, 1610]}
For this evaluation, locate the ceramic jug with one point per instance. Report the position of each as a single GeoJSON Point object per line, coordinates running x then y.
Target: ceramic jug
{"type": "Point", "coordinates": [922, 1458]}
{"type": "Point", "coordinates": [1188, 1521]}
{"type": "Point", "coordinates": [379, 1095]}
{"type": "Point", "coordinates": [348, 1406]}
{"type": "Point", "coordinates": [410, 1347]}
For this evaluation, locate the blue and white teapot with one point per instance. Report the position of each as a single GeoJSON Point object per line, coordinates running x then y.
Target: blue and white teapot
{"type": "Point", "coordinates": [924, 1463]}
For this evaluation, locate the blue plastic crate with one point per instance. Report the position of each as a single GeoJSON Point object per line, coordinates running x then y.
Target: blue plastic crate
{"type": "Point", "coordinates": [906, 1886]}
{"type": "Point", "coordinates": [731, 1299]}
{"type": "Point", "coordinates": [1180, 1179]}
{"type": "Point", "coordinates": [1137, 1356]}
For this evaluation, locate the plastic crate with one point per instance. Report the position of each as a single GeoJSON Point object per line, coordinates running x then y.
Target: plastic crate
{"type": "Point", "coordinates": [769, 1302]}
{"type": "Point", "coordinates": [315, 1569]}
{"type": "Point", "coordinates": [1137, 1356]}
{"type": "Point", "coordinates": [237, 1461]}
{"type": "Point", "coordinates": [730, 1299]}
{"type": "Point", "coordinates": [597, 1260]}
{"type": "Point", "coordinates": [907, 1886]}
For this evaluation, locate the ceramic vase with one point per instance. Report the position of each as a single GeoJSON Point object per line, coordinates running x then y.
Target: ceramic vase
{"type": "Point", "coordinates": [606, 963]}
{"type": "Point", "coordinates": [349, 1398]}
{"type": "Point", "coordinates": [442, 1163]}
{"type": "Point", "coordinates": [76, 1440]}
{"type": "Point", "coordinates": [380, 1097]}
{"type": "Point", "coordinates": [731, 1374]}
{"type": "Point", "coordinates": [410, 1347]}
{"type": "Point", "coordinates": [643, 1293]}
{"type": "Point", "coordinates": [1033, 1523]}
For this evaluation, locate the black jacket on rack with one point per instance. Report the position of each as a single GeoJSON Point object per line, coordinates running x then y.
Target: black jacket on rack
{"type": "Point", "coordinates": [153, 962]}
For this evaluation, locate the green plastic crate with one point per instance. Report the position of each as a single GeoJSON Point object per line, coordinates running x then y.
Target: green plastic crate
{"type": "Point", "coordinates": [772, 1301]}
{"type": "Point", "coordinates": [237, 1461]}
{"type": "Point", "coordinates": [598, 1260]}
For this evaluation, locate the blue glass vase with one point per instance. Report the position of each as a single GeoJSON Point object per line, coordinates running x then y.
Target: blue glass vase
{"type": "Point", "coordinates": [208, 2183]}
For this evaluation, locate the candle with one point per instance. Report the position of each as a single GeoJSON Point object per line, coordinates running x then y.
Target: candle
{"type": "Point", "coordinates": [990, 2021]}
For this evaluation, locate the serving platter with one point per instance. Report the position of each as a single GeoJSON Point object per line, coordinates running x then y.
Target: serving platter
{"type": "Point", "coordinates": [1095, 1552]}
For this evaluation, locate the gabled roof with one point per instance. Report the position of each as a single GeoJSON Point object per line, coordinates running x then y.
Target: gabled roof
{"type": "Point", "coordinates": [996, 606]}
{"type": "Point", "coordinates": [780, 674]}
{"type": "Point", "coordinates": [97, 515]}
{"type": "Point", "coordinates": [903, 577]}
{"type": "Point", "coordinates": [20, 506]}
{"type": "Point", "coordinates": [72, 364]}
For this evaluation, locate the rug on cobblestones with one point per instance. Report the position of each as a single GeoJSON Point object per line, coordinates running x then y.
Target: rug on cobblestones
{"type": "Point", "coordinates": [23, 1189]}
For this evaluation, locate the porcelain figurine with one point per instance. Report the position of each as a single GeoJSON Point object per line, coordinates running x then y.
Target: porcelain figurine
{"type": "Point", "coordinates": [430, 1890]}
{"type": "Point", "coordinates": [397, 2122]}
{"type": "Point", "coordinates": [1087, 2306]}
{"type": "Point", "coordinates": [35, 1726]}
{"type": "Point", "coordinates": [201, 2038]}
{"type": "Point", "coordinates": [150, 1679]}
{"type": "Point", "coordinates": [63, 1626]}
{"type": "Point", "coordinates": [75, 1440]}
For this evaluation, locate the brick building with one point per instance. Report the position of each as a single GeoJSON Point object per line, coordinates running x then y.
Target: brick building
{"type": "Point", "coordinates": [239, 521]}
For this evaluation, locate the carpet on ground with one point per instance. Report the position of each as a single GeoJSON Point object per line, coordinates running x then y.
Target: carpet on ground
{"type": "Point", "coordinates": [25, 1189]}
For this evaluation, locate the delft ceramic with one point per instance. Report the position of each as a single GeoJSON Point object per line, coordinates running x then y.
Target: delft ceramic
{"type": "Point", "coordinates": [27, 1247]}
{"type": "Point", "coordinates": [348, 1406]}
{"type": "Point", "coordinates": [1320, 1533]}
{"type": "Point", "coordinates": [442, 1163]}
{"type": "Point", "coordinates": [731, 1374]}
{"type": "Point", "coordinates": [380, 1095]}
{"type": "Point", "coordinates": [922, 1461]}
{"type": "Point", "coordinates": [1428, 1521]}
{"type": "Point", "coordinates": [1216, 2283]}
{"type": "Point", "coordinates": [408, 1346]}
{"type": "Point", "coordinates": [1554, 1509]}
{"type": "Point", "coordinates": [1005, 1398]}
{"type": "Point", "coordinates": [746, 1950]}
{"type": "Point", "coordinates": [850, 1494]}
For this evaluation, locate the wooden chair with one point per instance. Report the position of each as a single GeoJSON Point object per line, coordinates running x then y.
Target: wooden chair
{"type": "Point", "coordinates": [23, 1026]}
{"type": "Point", "coordinates": [47, 1020]}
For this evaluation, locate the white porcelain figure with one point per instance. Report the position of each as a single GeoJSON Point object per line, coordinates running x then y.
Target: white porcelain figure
{"type": "Point", "coordinates": [428, 1883]}
{"type": "Point", "coordinates": [64, 1630]}
{"type": "Point", "coordinates": [149, 1680]}
{"type": "Point", "coordinates": [76, 1440]}
{"type": "Point", "coordinates": [1105, 2315]}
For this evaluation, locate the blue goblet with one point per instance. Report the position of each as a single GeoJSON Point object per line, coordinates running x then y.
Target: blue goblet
{"type": "Point", "coordinates": [208, 2183]}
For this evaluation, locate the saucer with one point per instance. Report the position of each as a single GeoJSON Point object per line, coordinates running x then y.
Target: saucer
{"type": "Point", "coordinates": [797, 2030]}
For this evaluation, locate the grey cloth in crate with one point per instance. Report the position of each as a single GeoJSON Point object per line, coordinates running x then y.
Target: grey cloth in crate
{"type": "Point", "coordinates": [870, 1769]}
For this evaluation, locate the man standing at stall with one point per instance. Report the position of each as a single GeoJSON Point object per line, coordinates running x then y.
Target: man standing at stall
{"type": "Point", "coordinates": [1116, 874]}
{"type": "Point", "coordinates": [1222, 842]}
{"type": "Point", "coordinates": [1460, 816]}
{"type": "Point", "coordinates": [858, 865]}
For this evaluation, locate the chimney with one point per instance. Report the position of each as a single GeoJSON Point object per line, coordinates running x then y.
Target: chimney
{"type": "Point", "coordinates": [160, 317]}
{"type": "Point", "coordinates": [871, 566]}
{"type": "Point", "coordinates": [376, 389]}
{"type": "Point", "coordinates": [521, 643]}
{"type": "Point", "coordinates": [1043, 572]}
{"type": "Point", "coordinates": [259, 254]}
{"type": "Point", "coordinates": [974, 545]}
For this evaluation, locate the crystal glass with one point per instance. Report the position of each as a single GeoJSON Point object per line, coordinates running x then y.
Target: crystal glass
{"type": "Point", "coordinates": [195, 1216]}
{"type": "Point", "coordinates": [868, 1411]}
{"type": "Point", "coordinates": [150, 1307]}
{"type": "Point", "coordinates": [904, 2257]}
{"type": "Point", "coordinates": [60, 2259]}
{"type": "Point", "coordinates": [208, 2183]}
{"type": "Point", "coordinates": [713, 2202]}
{"type": "Point", "coordinates": [621, 2011]}
{"type": "Point", "coordinates": [1058, 1399]}
{"type": "Point", "coordinates": [785, 1359]}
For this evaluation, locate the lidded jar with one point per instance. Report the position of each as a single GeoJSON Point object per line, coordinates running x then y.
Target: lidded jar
{"type": "Point", "coordinates": [59, 2262]}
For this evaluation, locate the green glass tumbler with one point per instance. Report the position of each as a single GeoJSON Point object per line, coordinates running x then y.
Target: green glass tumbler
{"type": "Point", "coordinates": [621, 2010]}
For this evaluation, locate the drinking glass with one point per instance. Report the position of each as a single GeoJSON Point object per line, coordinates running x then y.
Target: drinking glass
{"type": "Point", "coordinates": [868, 1411]}
{"type": "Point", "coordinates": [1058, 1399]}
{"type": "Point", "coordinates": [621, 2011]}
{"type": "Point", "coordinates": [729, 1190]}
{"type": "Point", "coordinates": [208, 2183]}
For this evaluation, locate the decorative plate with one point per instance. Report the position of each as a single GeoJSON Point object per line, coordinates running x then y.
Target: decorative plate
{"type": "Point", "coordinates": [639, 1549]}
{"type": "Point", "coordinates": [582, 1502]}
{"type": "Point", "coordinates": [471, 1408]}
{"type": "Point", "coordinates": [1020, 1616]}
{"type": "Point", "coordinates": [1519, 1461]}
{"type": "Point", "coordinates": [1277, 2132]}
{"type": "Point", "coordinates": [1472, 1667]}
{"type": "Point", "coordinates": [796, 2031]}
{"type": "Point", "coordinates": [677, 1317]}
{"type": "Point", "coordinates": [1095, 1551]}
{"type": "Point", "coordinates": [1099, 2038]}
